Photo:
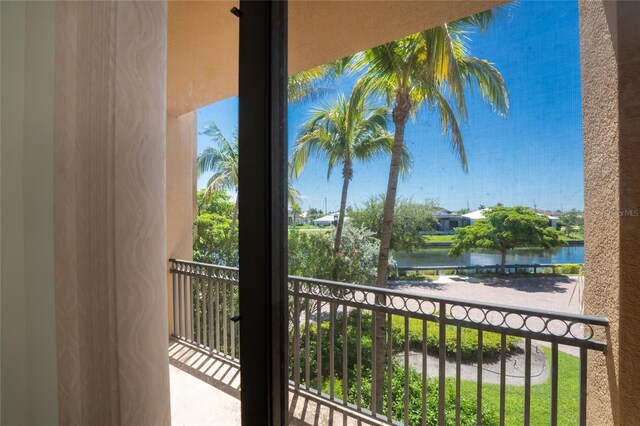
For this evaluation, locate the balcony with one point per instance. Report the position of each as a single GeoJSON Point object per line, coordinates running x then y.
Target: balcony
{"type": "Point", "coordinates": [447, 357]}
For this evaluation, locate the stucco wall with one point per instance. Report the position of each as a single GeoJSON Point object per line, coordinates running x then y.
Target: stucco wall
{"type": "Point", "coordinates": [181, 198]}
{"type": "Point", "coordinates": [29, 379]}
{"type": "Point", "coordinates": [628, 53]}
{"type": "Point", "coordinates": [610, 56]}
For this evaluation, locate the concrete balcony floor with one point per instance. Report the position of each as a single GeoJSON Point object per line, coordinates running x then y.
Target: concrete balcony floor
{"type": "Point", "coordinates": [195, 402]}
{"type": "Point", "coordinates": [205, 391]}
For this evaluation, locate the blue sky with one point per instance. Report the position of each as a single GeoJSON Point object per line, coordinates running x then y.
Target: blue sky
{"type": "Point", "coordinates": [534, 155]}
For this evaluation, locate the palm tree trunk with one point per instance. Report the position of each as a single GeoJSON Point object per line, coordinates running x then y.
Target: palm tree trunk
{"type": "Point", "coordinates": [234, 217]}
{"type": "Point", "coordinates": [400, 115]}
{"type": "Point", "coordinates": [347, 174]}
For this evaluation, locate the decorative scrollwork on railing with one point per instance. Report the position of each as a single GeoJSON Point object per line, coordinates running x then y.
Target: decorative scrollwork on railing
{"type": "Point", "coordinates": [532, 322]}
{"type": "Point", "coordinates": [571, 329]}
{"type": "Point", "coordinates": [565, 328]}
{"type": "Point", "coordinates": [205, 271]}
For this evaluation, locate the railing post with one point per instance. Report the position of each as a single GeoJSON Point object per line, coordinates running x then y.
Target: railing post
{"type": "Point", "coordinates": [583, 386]}
{"type": "Point", "coordinates": [442, 354]}
{"type": "Point", "coordinates": [176, 308]}
{"type": "Point", "coordinates": [210, 309]}
{"type": "Point", "coordinates": [296, 334]}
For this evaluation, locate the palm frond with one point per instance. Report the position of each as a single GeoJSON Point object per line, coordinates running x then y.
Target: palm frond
{"type": "Point", "coordinates": [293, 197]}
{"type": "Point", "coordinates": [451, 128]}
{"type": "Point", "coordinates": [315, 83]}
{"type": "Point", "coordinates": [221, 159]}
{"type": "Point", "coordinates": [483, 20]}
{"type": "Point", "coordinates": [489, 80]}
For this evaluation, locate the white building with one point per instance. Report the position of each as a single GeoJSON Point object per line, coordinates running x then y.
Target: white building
{"type": "Point", "coordinates": [330, 219]}
{"type": "Point", "coordinates": [479, 214]}
{"type": "Point", "coordinates": [475, 215]}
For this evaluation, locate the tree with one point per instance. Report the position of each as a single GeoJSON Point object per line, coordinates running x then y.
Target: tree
{"type": "Point", "coordinates": [343, 132]}
{"type": "Point", "coordinates": [222, 160]}
{"type": "Point", "coordinates": [410, 222]}
{"type": "Point", "coordinates": [572, 222]}
{"type": "Point", "coordinates": [314, 213]}
{"type": "Point", "coordinates": [217, 202]}
{"type": "Point", "coordinates": [433, 69]}
{"type": "Point", "coordinates": [213, 241]}
{"type": "Point", "coordinates": [311, 254]}
{"type": "Point", "coordinates": [505, 228]}
{"type": "Point", "coordinates": [464, 210]}
{"type": "Point", "coordinates": [310, 84]}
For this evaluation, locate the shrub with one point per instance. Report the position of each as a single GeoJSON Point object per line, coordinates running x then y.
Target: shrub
{"type": "Point", "coordinates": [213, 242]}
{"type": "Point", "coordinates": [467, 406]}
{"type": "Point", "coordinates": [569, 268]}
{"type": "Point", "coordinates": [311, 255]}
{"type": "Point", "coordinates": [468, 342]}
{"type": "Point", "coordinates": [469, 350]}
{"type": "Point", "coordinates": [410, 220]}
{"type": "Point", "coordinates": [491, 342]}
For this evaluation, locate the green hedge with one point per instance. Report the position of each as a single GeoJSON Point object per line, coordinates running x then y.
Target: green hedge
{"type": "Point", "coordinates": [569, 268]}
{"type": "Point", "coordinates": [468, 342]}
{"type": "Point", "coordinates": [467, 404]}
{"type": "Point", "coordinates": [469, 351]}
{"type": "Point", "coordinates": [468, 339]}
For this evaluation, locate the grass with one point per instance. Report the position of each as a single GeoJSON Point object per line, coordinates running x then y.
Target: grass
{"type": "Point", "coordinates": [311, 228]}
{"type": "Point", "coordinates": [568, 395]}
{"type": "Point", "coordinates": [568, 270]}
{"type": "Point", "coordinates": [438, 238]}
{"type": "Point", "coordinates": [575, 236]}
{"type": "Point", "coordinates": [568, 376]}
{"type": "Point", "coordinates": [427, 238]}
{"type": "Point", "coordinates": [449, 238]}
{"type": "Point", "coordinates": [416, 278]}
{"type": "Point", "coordinates": [468, 339]}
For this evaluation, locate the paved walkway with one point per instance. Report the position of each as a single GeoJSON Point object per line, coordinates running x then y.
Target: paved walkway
{"type": "Point", "coordinates": [548, 293]}
{"type": "Point", "coordinates": [515, 367]}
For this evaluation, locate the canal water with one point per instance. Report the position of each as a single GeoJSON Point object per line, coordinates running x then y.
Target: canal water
{"type": "Point", "coordinates": [440, 257]}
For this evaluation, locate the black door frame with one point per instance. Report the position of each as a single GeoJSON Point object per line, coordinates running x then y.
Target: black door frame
{"type": "Point", "coordinates": [263, 212]}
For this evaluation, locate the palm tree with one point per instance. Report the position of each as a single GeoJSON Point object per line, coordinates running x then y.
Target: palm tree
{"type": "Point", "coordinates": [344, 131]}
{"type": "Point", "coordinates": [432, 68]}
{"type": "Point", "coordinates": [222, 160]}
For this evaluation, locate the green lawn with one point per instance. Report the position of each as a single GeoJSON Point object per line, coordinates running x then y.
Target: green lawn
{"type": "Point", "coordinates": [575, 236]}
{"type": "Point", "coordinates": [438, 238]}
{"type": "Point", "coordinates": [449, 238]}
{"type": "Point", "coordinates": [568, 395]}
{"type": "Point", "coordinates": [571, 270]}
{"type": "Point", "coordinates": [310, 228]}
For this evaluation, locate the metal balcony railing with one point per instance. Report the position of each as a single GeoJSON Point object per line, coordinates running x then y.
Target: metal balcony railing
{"type": "Point", "coordinates": [400, 357]}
